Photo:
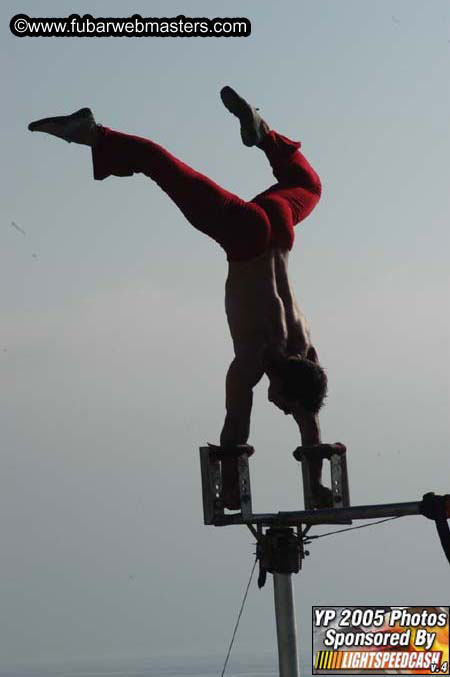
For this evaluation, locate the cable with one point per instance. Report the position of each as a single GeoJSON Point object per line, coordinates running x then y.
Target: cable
{"type": "Point", "coordinates": [239, 618]}
{"type": "Point", "coordinates": [361, 526]}
{"type": "Point", "coordinates": [307, 540]}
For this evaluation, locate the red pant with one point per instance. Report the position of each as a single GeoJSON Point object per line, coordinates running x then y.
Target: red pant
{"type": "Point", "coordinates": [244, 229]}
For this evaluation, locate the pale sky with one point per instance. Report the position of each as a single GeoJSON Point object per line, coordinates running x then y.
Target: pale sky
{"type": "Point", "coordinates": [114, 345]}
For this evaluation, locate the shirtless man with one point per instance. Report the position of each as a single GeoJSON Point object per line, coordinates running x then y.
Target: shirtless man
{"type": "Point", "coordinates": [270, 334]}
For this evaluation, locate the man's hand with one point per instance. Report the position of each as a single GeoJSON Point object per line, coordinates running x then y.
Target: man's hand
{"type": "Point", "coordinates": [308, 424]}
{"type": "Point", "coordinates": [322, 496]}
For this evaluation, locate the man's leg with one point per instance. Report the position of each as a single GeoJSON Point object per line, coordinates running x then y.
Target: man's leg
{"type": "Point", "coordinates": [298, 189]}
{"type": "Point", "coordinates": [241, 228]}
{"type": "Point", "coordinates": [297, 192]}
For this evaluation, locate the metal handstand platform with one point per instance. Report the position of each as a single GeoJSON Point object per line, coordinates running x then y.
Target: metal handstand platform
{"type": "Point", "coordinates": [212, 487]}
{"type": "Point", "coordinates": [281, 536]}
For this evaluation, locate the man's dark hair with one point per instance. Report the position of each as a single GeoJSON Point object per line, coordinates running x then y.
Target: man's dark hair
{"type": "Point", "coordinates": [304, 381]}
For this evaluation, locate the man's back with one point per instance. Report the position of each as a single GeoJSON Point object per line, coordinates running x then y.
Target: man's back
{"type": "Point", "coordinates": [263, 314]}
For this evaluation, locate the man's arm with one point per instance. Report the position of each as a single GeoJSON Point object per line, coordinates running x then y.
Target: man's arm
{"type": "Point", "coordinates": [242, 377]}
{"type": "Point", "coordinates": [309, 427]}
{"type": "Point", "coordinates": [307, 422]}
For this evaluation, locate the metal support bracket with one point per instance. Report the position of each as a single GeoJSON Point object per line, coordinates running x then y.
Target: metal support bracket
{"type": "Point", "coordinates": [210, 463]}
{"type": "Point", "coordinates": [280, 550]}
{"type": "Point", "coordinates": [339, 475]}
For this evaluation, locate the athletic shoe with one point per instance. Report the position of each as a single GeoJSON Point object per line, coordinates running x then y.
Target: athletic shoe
{"type": "Point", "coordinates": [253, 127]}
{"type": "Point", "coordinates": [74, 127]}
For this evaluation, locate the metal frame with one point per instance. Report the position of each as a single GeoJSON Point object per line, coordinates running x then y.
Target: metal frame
{"type": "Point", "coordinates": [214, 512]}
{"type": "Point", "coordinates": [338, 470]}
{"type": "Point", "coordinates": [213, 509]}
{"type": "Point", "coordinates": [279, 550]}
{"type": "Point", "coordinates": [323, 516]}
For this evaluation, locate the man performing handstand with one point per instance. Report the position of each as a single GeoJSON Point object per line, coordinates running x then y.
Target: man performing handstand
{"type": "Point", "coordinates": [269, 333]}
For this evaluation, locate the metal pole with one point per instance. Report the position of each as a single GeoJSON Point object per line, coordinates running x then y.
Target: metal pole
{"type": "Point", "coordinates": [286, 627]}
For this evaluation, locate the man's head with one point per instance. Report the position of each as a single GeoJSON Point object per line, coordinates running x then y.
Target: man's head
{"type": "Point", "coordinates": [297, 380]}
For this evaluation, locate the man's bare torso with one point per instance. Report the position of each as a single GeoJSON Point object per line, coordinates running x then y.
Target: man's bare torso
{"type": "Point", "coordinates": [263, 314]}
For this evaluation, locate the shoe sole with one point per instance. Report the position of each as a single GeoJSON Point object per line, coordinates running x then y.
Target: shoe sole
{"type": "Point", "coordinates": [61, 119]}
{"type": "Point", "coordinates": [242, 110]}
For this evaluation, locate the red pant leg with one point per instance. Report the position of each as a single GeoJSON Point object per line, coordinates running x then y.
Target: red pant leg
{"type": "Point", "coordinates": [241, 228]}
{"type": "Point", "coordinates": [295, 195]}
